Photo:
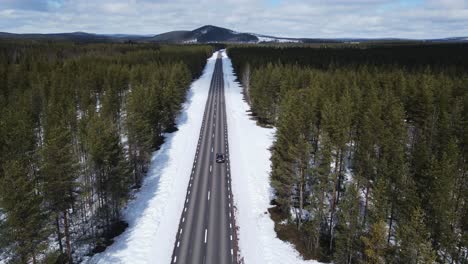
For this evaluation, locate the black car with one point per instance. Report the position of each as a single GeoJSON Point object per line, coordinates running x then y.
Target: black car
{"type": "Point", "coordinates": [220, 158]}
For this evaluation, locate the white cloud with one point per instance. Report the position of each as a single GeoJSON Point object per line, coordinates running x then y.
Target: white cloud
{"type": "Point", "coordinates": [289, 18]}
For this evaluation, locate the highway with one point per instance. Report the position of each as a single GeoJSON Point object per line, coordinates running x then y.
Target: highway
{"type": "Point", "coordinates": [207, 231]}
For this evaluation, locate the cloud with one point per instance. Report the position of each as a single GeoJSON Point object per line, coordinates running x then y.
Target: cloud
{"type": "Point", "coordinates": [293, 18]}
{"type": "Point", "coordinates": [36, 5]}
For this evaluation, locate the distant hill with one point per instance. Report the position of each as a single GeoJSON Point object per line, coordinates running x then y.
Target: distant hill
{"type": "Point", "coordinates": [205, 34]}
{"type": "Point", "coordinates": [210, 34]}
{"type": "Point", "coordinates": [73, 36]}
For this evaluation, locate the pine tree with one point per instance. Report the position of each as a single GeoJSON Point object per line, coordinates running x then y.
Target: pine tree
{"type": "Point", "coordinates": [443, 174]}
{"type": "Point", "coordinates": [375, 243]}
{"type": "Point", "coordinates": [414, 246]}
{"type": "Point", "coordinates": [59, 171]}
{"type": "Point", "coordinates": [26, 220]}
{"type": "Point", "coordinates": [349, 228]}
{"type": "Point", "coordinates": [111, 169]}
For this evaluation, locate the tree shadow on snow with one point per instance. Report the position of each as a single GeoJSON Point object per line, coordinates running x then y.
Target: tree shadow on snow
{"type": "Point", "coordinates": [149, 190]}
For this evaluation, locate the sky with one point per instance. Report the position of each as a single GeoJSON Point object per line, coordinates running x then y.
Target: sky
{"type": "Point", "coordinates": [285, 18]}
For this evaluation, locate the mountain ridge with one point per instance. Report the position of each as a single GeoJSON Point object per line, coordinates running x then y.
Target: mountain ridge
{"type": "Point", "coordinates": [208, 34]}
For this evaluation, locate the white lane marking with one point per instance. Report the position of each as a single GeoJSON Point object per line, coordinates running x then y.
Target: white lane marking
{"type": "Point", "coordinates": [229, 214]}
{"type": "Point", "coordinates": [186, 200]}
{"type": "Point", "coordinates": [180, 232]}
{"type": "Point", "coordinates": [189, 192]}
{"type": "Point", "coordinates": [206, 233]}
{"type": "Point", "coordinates": [212, 149]}
{"type": "Point", "coordinates": [211, 168]}
{"type": "Point", "coordinates": [190, 185]}
{"type": "Point", "coordinates": [213, 135]}
{"type": "Point", "coordinates": [175, 259]}
{"type": "Point", "coordinates": [231, 237]}
{"type": "Point", "coordinates": [229, 205]}
{"type": "Point", "coordinates": [230, 225]}
{"type": "Point", "coordinates": [232, 252]}
{"type": "Point", "coordinates": [178, 242]}
{"type": "Point", "coordinates": [183, 219]}
{"type": "Point", "coordinates": [185, 210]}
{"type": "Point", "coordinates": [209, 195]}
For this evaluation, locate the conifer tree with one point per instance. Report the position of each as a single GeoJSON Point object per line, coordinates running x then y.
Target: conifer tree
{"type": "Point", "coordinates": [59, 171]}
{"type": "Point", "coordinates": [375, 243]}
{"type": "Point", "coordinates": [26, 220]}
{"type": "Point", "coordinates": [349, 228]}
{"type": "Point", "coordinates": [414, 246]}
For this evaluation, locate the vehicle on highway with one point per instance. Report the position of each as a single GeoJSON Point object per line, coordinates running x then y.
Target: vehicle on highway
{"type": "Point", "coordinates": [220, 158]}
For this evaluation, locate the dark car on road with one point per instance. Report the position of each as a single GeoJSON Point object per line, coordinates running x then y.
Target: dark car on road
{"type": "Point", "coordinates": [220, 158]}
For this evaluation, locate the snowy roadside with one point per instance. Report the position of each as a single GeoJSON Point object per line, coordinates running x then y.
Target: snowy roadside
{"type": "Point", "coordinates": [153, 216]}
{"type": "Point", "coordinates": [250, 167]}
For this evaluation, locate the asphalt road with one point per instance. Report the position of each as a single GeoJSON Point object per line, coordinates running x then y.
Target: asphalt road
{"type": "Point", "coordinates": [206, 231]}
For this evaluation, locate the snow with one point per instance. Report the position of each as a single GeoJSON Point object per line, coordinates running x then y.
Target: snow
{"type": "Point", "coordinates": [274, 39]}
{"type": "Point", "coordinates": [153, 216]}
{"type": "Point", "coordinates": [250, 168]}
{"type": "Point", "coordinates": [191, 41]}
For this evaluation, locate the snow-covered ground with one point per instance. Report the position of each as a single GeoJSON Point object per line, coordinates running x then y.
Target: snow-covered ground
{"type": "Point", "coordinates": [262, 38]}
{"type": "Point", "coordinates": [250, 169]}
{"type": "Point", "coordinates": [153, 216]}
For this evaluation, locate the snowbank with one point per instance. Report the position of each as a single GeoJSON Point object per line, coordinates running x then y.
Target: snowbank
{"type": "Point", "coordinates": [250, 168]}
{"type": "Point", "coordinates": [153, 216]}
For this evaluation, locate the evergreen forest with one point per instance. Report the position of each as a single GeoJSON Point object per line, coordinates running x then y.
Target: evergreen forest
{"type": "Point", "coordinates": [369, 162]}
{"type": "Point", "coordinates": [78, 125]}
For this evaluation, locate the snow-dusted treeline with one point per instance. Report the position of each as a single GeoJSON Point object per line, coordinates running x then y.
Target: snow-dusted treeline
{"type": "Point", "coordinates": [153, 215]}
{"type": "Point", "coordinates": [249, 149]}
{"type": "Point", "coordinates": [78, 126]}
{"type": "Point", "coordinates": [368, 162]}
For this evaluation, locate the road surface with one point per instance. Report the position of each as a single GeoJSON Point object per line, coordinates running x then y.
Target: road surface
{"type": "Point", "coordinates": [206, 231]}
